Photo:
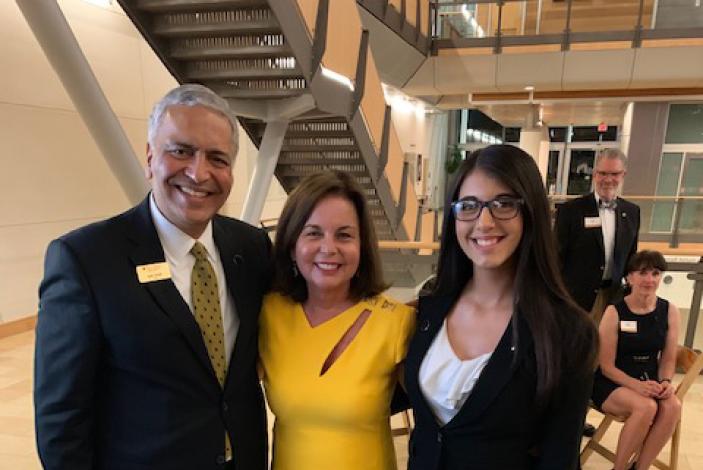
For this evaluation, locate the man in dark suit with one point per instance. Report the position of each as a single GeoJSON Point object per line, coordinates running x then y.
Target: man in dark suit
{"type": "Point", "coordinates": [146, 339]}
{"type": "Point", "coordinates": [597, 234]}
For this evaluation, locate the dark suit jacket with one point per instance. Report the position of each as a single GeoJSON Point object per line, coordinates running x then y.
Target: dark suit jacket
{"type": "Point", "coordinates": [499, 426]}
{"type": "Point", "coordinates": [122, 376]}
{"type": "Point", "coordinates": [581, 251]}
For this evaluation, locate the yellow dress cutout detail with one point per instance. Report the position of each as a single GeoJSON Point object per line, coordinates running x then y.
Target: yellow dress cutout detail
{"type": "Point", "coordinates": [338, 420]}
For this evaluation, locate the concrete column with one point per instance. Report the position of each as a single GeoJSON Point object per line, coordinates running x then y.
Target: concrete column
{"type": "Point", "coordinates": [535, 141]}
{"type": "Point", "coordinates": [266, 163]}
{"type": "Point", "coordinates": [63, 52]}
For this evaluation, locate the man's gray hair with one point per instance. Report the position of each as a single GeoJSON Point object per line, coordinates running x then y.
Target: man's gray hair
{"type": "Point", "coordinates": [192, 95]}
{"type": "Point", "coordinates": [612, 154]}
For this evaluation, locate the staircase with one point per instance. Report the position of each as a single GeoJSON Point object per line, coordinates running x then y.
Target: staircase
{"type": "Point", "coordinates": [268, 58]}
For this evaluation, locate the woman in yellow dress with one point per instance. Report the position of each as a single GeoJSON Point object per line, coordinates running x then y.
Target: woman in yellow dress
{"type": "Point", "coordinates": [330, 343]}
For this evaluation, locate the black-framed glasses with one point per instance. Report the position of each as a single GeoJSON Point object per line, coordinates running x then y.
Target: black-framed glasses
{"type": "Point", "coordinates": [501, 208]}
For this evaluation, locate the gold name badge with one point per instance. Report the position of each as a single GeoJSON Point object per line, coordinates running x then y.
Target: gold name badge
{"type": "Point", "coordinates": [153, 272]}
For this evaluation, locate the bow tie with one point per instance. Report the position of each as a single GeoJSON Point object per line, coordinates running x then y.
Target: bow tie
{"type": "Point", "coordinates": [607, 205]}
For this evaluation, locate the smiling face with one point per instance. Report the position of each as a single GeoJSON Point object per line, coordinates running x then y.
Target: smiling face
{"type": "Point", "coordinates": [190, 166]}
{"type": "Point", "coordinates": [644, 281]}
{"type": "Point", "coordinates": [328, 248]}
{"type": "Point", "coordinates": [489, 243]}
{"type": "Point", "coordinates": [607, 177]}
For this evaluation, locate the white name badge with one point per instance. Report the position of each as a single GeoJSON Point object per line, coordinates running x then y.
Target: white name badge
{"type": "Point", "coordinates": [628, 326]}
{"type": "Point", "coordinates": [591, 222]}
{"type": "Point", "coordinates": [153, 272]}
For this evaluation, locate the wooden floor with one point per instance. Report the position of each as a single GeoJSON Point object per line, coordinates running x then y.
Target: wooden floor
{"type": "Point", "coordinates": [17, 448]}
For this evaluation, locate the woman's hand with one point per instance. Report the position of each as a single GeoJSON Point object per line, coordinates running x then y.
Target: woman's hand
{"type": "Point", "coordinates": [666, 390]}
{"type": "Point", "coordinates": [648, 388]}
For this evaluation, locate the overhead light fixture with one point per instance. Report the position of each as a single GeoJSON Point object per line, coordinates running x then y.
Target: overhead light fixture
{"type": "Point", "coordinates": [529, 88]}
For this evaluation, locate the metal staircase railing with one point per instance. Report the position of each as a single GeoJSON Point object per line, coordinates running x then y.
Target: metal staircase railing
{"type": "Point", "coordinates": [262, 55]}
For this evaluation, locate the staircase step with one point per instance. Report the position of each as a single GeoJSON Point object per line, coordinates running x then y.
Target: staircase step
{"type": "Point", "coordinates": [317, 160]}
{"type": "Point", "coordinates": [246, 74]}
{"type": "Point", "coordinates": [303, 171]}
{"type": "Point", "coordinates": [195, 5]}
{"type": "Point", "coordinates": [216, 23]}
{"type": "Point", "coordinates": [244, 93]}
{"type": "Point", "coordinates": [319, 148]}
{"type": "Point", "coordinates": [319, 134]}
{"type": "Point", "coordinates": [242, 52]}
{"type": "Point", "coordinates": [296, 86]}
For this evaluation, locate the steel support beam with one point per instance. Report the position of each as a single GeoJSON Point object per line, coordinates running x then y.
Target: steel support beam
{"type": "Point", "coordinates": [55, 37]}
{"type": "Point", "coordinates": [270, 148]}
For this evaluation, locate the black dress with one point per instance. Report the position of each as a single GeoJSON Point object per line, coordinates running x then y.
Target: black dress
{"type": "Point", "coordinates": [638, 349]}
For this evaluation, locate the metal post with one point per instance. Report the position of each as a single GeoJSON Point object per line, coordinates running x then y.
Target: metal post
{"type": "Point", "coordinates": [499, 33]}
{"type": "Point", "coordinates": [538, 22]}
{"type": "Point", "coordinates": [637, 36]}
{"type": "Point", "coordinates": [674, 243]}
{"type": "Point", "coordinates": [566, 43]}
{"type": "Point", "coordinates": [56, 39]}
{"type": "Point", "coordinates": [266, 162]}
{"type": "Point", "coordinates": [695, 307]}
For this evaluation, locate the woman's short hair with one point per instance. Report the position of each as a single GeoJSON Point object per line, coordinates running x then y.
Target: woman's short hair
{"type": "Point", "coordinates": [368, 280]}
{"type": "Point", "coordinates": [646, 259]}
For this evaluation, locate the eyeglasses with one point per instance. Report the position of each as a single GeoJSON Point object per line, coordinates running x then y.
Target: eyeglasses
{"type": "Point", "coordinates": [501, 208]}
{"type": "Point", "coordinates": [612, 174]}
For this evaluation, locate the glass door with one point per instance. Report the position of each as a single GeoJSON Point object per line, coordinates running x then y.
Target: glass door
{"type": "Point", "coordinates": [580, 174]}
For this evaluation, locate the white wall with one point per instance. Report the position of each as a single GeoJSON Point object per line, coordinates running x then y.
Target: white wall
{"type": "Point", "coordinates": [55, 179]}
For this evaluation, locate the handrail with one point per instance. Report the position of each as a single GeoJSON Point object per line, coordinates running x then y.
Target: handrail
{"type": "Point", "coordinates": [631, 197]}
{"type": "Point", "coordinates": [636, 25]}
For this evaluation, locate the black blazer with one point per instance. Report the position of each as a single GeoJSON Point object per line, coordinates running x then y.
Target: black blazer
{"type": "Point", "coordinates": [581, 251]}
{"type": "Point", "coordinates": [122, 376]}
{"type": "Point", "coordinates": [499, 426]}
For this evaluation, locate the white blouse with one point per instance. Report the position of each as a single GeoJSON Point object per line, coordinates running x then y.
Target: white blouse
{"type": "Point", "coordinates": [447, 381]}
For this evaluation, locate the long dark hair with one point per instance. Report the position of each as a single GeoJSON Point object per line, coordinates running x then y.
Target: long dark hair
{"type": "Point", "coordinates": [368, 280]}
{"type": "Point", "coordinates": [541, 299]}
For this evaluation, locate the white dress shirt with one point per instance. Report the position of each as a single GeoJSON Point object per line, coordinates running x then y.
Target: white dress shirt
{"type": "Point", "coordinates": [445, 380]}
{"type": "Point", "coordinates": [607, 223]}
{"type": "Point", "coordinates": [177, 246]}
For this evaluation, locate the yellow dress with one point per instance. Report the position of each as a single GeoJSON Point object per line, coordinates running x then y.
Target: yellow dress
{"type": "Point", "coordinates": [338, 420]}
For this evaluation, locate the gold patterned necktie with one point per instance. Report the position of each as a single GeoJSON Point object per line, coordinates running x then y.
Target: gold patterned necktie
{"type": "Point", "coordinates": [208, 315]}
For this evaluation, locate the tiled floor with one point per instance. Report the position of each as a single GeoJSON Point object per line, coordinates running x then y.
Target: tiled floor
{"type": "Point", "coordinates": [17, 449]}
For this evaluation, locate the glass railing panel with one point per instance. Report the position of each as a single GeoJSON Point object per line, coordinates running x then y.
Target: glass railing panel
{"type": "Point", "coordinates": [424, 17]}
{"type": "Point", "coordinates": [608, 15]}
{"type": "Point", "coordinates": [373, 103]}
{"type": "Point", "coordinates": [676, 14]}
{"type": "Point", "coordinates": [411, 11]}
{"type": "Point", "coordinates": [477, 19]}
{"type": "Point", "coordinates": [343, 36]}
{"type": "Point", "coordinates": [308, 8]}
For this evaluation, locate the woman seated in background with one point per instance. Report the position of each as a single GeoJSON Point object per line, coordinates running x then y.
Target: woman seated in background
{"type": "Point", "coordinates": [330, 343]}
{"type": "Point", "coordinates": [639, 338]}
{"type": "Point", "coordinates": [500, 370]}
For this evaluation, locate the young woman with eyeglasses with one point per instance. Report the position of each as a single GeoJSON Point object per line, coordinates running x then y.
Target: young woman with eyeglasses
{"type": "Point", "coordinates": [500, 370]}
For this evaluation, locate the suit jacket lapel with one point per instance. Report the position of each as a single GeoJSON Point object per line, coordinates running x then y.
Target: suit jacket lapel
{"type": "Point", "coordinates": [592, 211]}
{"type": "Point", "coordinates": [232, 261]}
{"type": "Point", "coordinates": [496, 374]}
{"type": "Point", "coordinates": [620, 219]}
{"type": "Point", "coordinates": [148, 250]}
{"type": "Point", "coordinates": [435, 310]}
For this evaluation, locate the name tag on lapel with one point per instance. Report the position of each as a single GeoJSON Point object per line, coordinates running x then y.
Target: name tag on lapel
{"type": "Point", "coordinates": [628, 326]}
{"type": "Point", "coordinates": [153, 272]}
{"type": "Point", "coordinates": [591, 222]}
